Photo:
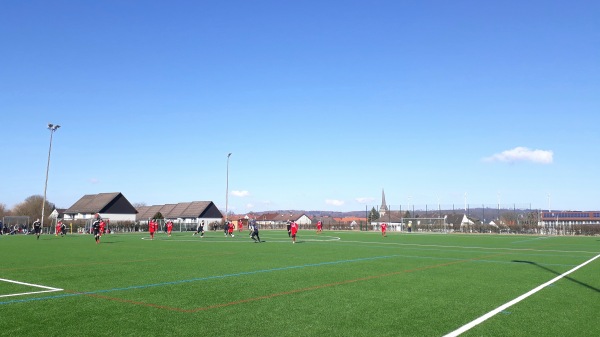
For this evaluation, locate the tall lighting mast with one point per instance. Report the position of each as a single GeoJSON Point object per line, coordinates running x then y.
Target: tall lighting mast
{"type": "Point", "coordinates": [52, 128]}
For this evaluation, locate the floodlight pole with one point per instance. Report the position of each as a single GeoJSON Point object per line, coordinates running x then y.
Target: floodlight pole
{"type": "Point", "coordinates": [227, 189]}
{"type": "Point", "coordinates": [52, 129]}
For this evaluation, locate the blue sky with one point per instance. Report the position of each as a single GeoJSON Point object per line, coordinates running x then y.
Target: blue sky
{"type": "Point", "coordinates": [322, 103]}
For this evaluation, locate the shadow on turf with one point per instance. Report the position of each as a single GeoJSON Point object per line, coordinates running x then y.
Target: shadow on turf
{"type": "Point", "coordinates": [558, 274]}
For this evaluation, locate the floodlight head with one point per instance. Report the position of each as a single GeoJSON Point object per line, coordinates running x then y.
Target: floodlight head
{"type": "Point", "coordinates": [50, 125]}
{"type": "Point", "coordinates": [56, 127]}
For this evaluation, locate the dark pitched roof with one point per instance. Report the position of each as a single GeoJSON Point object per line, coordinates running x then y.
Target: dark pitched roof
{"type": "Point", "coordinates": [167, 210]}
{"type": "Point", "coordinates": [394, 217]}
{"type": "Point", "coordinates": [115, 203]}
{"type": "Point", "coordinates": [146, 212]}
{"type": "Point", "coordinates": [454, 219]}
{"type": "Point", "coordinates": [194, 209]}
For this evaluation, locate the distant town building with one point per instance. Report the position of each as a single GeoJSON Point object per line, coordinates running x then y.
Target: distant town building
{"type": "Point", "coordinates": [569, 218]}
{"type": "Point", "coordinates": [183, 212]}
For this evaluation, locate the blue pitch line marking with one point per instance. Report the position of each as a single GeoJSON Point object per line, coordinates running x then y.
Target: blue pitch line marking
{"type": "Point", "coordinates": [249, 273]}
{"type": "Point", "coordinates": [199, 279]}
{"type": "Point", "coordinates": [534, 239]}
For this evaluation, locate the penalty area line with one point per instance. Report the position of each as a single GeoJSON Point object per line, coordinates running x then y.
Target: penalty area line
{"type": "Point", "coordinates": [505, 306]}
{"type": "Point", "coordinates": [48, 289]}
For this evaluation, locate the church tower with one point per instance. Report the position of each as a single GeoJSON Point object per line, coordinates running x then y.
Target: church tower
{"type": "Point", "coordinates": [383, 208]}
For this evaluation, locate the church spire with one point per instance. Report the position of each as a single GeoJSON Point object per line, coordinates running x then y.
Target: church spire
{"type": "Point", "coordinates": [383, 208]}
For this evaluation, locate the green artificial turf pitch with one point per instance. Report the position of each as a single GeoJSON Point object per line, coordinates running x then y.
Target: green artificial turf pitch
{"type": "Point", "coordinates": [330, 284]}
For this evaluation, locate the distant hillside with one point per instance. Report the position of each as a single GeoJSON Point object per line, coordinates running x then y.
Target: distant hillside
{"type": "Point", "coordinates": [479, 213]}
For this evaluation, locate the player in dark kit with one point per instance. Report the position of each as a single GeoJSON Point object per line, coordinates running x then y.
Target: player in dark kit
{"type": "Point", "coordinates": [96, 230]}
{"type": "Point", "coordinates": [37, 228]}
{"type": "Point", "coordinates": [254, 234]}
{"type": "Point", "coordinates": [226, 228]}
{"type": "Point", "coordinates": [200, 229]}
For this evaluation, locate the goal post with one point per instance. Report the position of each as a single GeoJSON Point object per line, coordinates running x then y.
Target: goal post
{"type": "Point", "coordinates": [16, 224]}
{"type": "Point", "coordinates": [433, 225]}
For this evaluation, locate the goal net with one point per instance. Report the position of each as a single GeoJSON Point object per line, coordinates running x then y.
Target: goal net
{"type": "Point", "coordinates": [424, 225]}
{"type": "Point", "coordinates": [16, 224]}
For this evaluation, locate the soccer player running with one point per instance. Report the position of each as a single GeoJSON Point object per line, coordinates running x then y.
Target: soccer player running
{"type": "Point", "coordinates": [200, 229]}
{"type": "Point", "coordinates": [319, 227]}
{"type": "Point", "coordinates": [37, 228]}
{"type": "Point", "coordinates": [102, 227]}
{"type": "Point", "coordinates": [254, 234]}
{"type": "Point", "coordinates": [230, 229]}
{"type": "Point", "coordinates": [293, 231]}
{"type": "Point", "coordinates": [96, 230]}
{"type": "Point", "coordinates": [289, 228]}
{"type": "Point", "coordinates": [63, 229]}
{"type": "Point", "coordinates": [383, 229]}
{"type": "Point", "coordinates": [57, 228]}
{"type": "Point", "coordinates": [226, 228]}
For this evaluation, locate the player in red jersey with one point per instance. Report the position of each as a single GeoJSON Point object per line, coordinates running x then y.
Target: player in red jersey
{"type": "Point", "coordinates": [294, 230]}
{"type": "Point", "coordinates": [230, 229]}
{"type": "Point", "coordinates": [240, 225]}
{"type": "Point", "coordinates": [102, 227]}
{"type": "Point", "coordinates": [152, 228]}
{"type": "Point", "coordinates": [319, 227]}
{"type": "Point", "coordinates": [58, 224]}
{"type": "Point", "coordinates": [169, 227]}
{"type": "Point", "coordinates": [383, 229]}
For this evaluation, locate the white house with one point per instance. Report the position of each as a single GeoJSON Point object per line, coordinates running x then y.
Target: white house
{"type": "Point", "coordinates": [113, 206]}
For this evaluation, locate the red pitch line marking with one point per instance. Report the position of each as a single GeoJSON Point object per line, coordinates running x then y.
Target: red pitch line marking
{"type": "Point", "coordinates": [289, 292]}
{"type": "Point", "coordinates": [295, 291]}
{"type": "Point", "coordinates": [140, 303]}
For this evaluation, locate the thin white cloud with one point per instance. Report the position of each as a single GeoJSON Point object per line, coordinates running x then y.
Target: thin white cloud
{"type": "Point", "coordinates": [520, 153]}
{"type": "Point", "coordinates": [249, 206]}
{"type": "Point", "coordinates": [240, 193]}
{"type": "Point", "coordinates": [334, 202]}
{"type": "Point", "coordinates": [364, 200]}
{"type": "Point", "coordinates": [94, 181]}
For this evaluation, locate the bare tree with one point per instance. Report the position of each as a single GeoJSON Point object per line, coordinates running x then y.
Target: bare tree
{"type": "Point", "coordinates": [3, 211]}
{"type": "Point", "coordinates": [137, 205]}
{"type": "Point", "coordinates": [510, 219]}
{"type": "Point", "coordinates": [32, 207]}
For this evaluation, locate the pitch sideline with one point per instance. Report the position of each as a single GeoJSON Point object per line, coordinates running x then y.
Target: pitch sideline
{"type": "Point", "coordinates": [505, 306]}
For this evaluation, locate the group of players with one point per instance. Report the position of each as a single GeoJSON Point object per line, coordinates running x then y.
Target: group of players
{"type": "Point", "coordinates": [60, 228]}
{"type": "Point", "coordinates": [98, 229]}
{"type": "Point", "coordinates": [229, 227]}
{"type": "Point", "coordinates": [292, 228]}
{"type": "Point", "coordinates": [153, 227]}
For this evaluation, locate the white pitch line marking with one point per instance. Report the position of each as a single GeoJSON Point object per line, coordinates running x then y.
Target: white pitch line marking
{"type": "Point", "coordinates": [505, 306]}
{"type": "Point", "coordinates": [48, 289]}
